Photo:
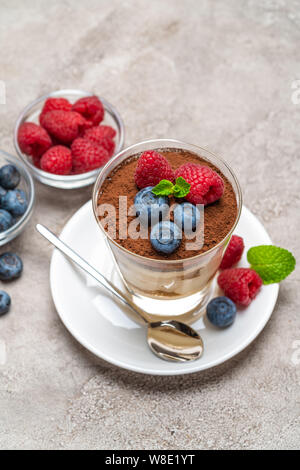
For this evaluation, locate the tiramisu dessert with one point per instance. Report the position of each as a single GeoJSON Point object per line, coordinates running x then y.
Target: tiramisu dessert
{"type": "Point", "coordinates": [161, 198]}
{"type": "Point", "coordinates": [208, 187]}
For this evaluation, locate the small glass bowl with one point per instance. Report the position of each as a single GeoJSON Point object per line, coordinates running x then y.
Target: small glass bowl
{"type": "Point", "coordinates": [27, 185]}
{"type": "Point", "coordinates": [31, 113]}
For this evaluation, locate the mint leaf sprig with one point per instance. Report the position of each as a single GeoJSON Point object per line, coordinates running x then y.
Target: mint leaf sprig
{"type": "Point", "coordinates": [166, 188]}
{"type": "Point", "coordinates": [273, 264]}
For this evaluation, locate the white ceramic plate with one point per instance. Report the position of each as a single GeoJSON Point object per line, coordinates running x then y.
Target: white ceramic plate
{"type": "Point", "coordinates": [98, 322]}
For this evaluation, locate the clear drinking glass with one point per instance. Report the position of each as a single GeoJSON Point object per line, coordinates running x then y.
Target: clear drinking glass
{"type": "Point", "coordinates": [168, 288]}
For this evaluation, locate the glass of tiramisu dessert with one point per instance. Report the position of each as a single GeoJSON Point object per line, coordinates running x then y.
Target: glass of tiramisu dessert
{"type": "Point", "coordinates": [167, 210]}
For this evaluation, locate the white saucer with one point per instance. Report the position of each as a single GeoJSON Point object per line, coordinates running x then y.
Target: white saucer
{"type": "Point", "coordinates": [97, 321]}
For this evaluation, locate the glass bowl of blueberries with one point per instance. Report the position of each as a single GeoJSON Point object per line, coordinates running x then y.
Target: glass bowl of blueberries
{"type": "Point", "coordinates": [17, 197]}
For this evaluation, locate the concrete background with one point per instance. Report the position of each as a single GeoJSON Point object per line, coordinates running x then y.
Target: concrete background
{"type": "Point", "coordinates": [218, 74]}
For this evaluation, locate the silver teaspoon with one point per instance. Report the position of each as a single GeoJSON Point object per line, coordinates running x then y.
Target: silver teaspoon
{"type": "Point", "coordinates": [170, 340]}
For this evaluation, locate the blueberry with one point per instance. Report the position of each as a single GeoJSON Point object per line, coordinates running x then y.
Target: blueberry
{"type": "Point", "coordinates": [6, 220]}
{"type": "Point", "coordinates": [9, 176]}
{"type": "Point", "coordinates": [165, 237]}
{"type": "Point", "coordinates": [2, 192]}
{"type": "Point", "coordinates": [15, 201]}
{"type": "Point", "coordinates": [186, 216]}
{"type": "Point", "coordinates": [11, 266]}
{"type": "Point", "coordinates": [221, 311]}
{"type": "Point", "coordinates": [150, 208]}
{"type": "Point", "coordinates": [4, 302]}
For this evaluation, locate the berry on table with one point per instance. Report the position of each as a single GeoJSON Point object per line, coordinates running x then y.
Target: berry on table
{"type": "Point", "coordinates": [6, 220]}
{"type": "Point", "coordinates": [165, 237]}
{"type": "Point", "coordinates": [221, 311]}
{"type": "Point", "coordinates": [150, 208]}
{"type": "Point", "coordinates": [9, 176]}
{"type": "Point", "coordinates": [87, 156]}
{"type": "Point", "coordinates": [152, 167]}
{"type": "Point", "coordinates": [64, 126]}
{"type": "Point", "coordinates": [186, 216]}
{"type": "Point", "coordinates": [206, 185]}
{"type": "Point", "coordinates": [5, 302]}
{"type": "Point", "coordinates": [15, 202]}
{"type": "Point", "coordinates": [91, 108]}
{"type": "Point", "coordinates": [57, 160]}
{"type": "Point", "coordinates": [241, 285]}
{"type": "Point", "coordinates": [11, 266]}
{"type": "Point", "coordinates": [233, 252]}
{"type": "Point", "coordinates": [33, 139]}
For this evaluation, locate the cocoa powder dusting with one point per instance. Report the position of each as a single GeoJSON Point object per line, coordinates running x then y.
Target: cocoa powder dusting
{"type": "Point", "coordinates": [219, 217]}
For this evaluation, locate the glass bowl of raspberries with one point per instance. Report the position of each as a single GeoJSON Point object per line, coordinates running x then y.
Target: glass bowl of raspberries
{"type": "Point", "coordinates": [17, 197]}
{"type": "Point", "coordinates": [67, 136]}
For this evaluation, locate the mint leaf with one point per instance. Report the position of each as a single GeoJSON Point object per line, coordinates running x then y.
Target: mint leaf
{"type": "Point", "coordinates": [163, 188]}
{"type": "Point", "coordinates": [166, 188]}
{"type": "Point", "coordinates": [181, 188]}
{"type": "Point", "coordinates": [272, 263]}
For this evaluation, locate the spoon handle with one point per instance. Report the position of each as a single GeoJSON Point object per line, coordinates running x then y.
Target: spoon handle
{"type": "Point", "coordinates": [70, 253]}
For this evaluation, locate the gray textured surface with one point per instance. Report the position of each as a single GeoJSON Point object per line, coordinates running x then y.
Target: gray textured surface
{"type": "Point", "coordinates": [213, 73]}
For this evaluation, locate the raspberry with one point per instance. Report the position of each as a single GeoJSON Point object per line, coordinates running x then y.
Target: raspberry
{"type": "Point", "coordinates": [57, 160]}
{"type": "Point", "coordinates": [240, 284]}
{"type": "Point", "coordinates": [90, 108]}
{"type": "Point", "coordinates": [86, 125]}
{"type": "Point", "coordinates": [87, 156]}
{"type": "Point", "coordinates": [33, 139]}
{"type": "Point", "coordinates": [206, 185]}
{"type": "Point", "coordinates": [97, 138]}
{"type": "Point", "coordinates": [52, 104]}
{"type": "Point", "coordinates": [152, 167]}
{"type": "Point", "coordinates": [63, 125]}
{"type": "Point", "coordinates": [99, 132]}
{"type": "Point", "coordinates": [37, 162]}
{"type": "Point", "coordinates": [108, 144]}
{"type": "Point", "coordinates": [233, 252]}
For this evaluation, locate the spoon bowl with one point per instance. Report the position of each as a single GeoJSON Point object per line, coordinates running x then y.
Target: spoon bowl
{"type": "Point", "coordinates": [174, 341]}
